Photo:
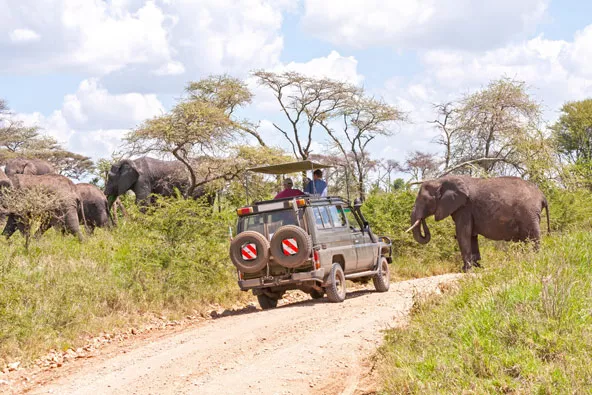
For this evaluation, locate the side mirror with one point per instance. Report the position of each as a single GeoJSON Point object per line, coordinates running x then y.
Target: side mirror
{"type": "Point", "coordinates": [357, 203]}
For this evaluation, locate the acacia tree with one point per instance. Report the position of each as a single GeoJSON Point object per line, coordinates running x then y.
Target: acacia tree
{"type": "Point", "coordinates": [572, 135]}
{"type": "Point", "coordinates": [305, 101]}
{"type": "Point", "coordinates": [421, 165]}
{"type": "Point", "coordinates": [18, 140]}
{"type": "Point", "coordinates": [201, 132]}
{"type": "Point", "coordinates": [228, 94]}
{"type": "Point", "coordinates": [362, 120]}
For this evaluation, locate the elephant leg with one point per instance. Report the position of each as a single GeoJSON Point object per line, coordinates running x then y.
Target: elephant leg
{"type": "Point", "coordinates": [476, 255]}
{"type": "Point", "coordinates": [72, 224]}
{"type": "Point", "coordinates": [464, 233]}
{"type": "Point", "coordinates": [10, 227]}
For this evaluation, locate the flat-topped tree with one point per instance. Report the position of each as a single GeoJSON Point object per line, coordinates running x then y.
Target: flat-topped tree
{"type": "Point", "coordinates": [228, 94]}
{"type": "Point", "coordinates": [305, 101]}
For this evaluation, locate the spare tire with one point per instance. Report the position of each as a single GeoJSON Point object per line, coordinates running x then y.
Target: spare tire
{"type": "Point", "coordinates": [290, 246]}
{"type": "Point", "coordinates": [249, 251]}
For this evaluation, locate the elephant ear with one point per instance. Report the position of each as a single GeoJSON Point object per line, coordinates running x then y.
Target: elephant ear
{"type": "Point", "coordinates": [128, 175]}
{"type": "Point", "coordinates": [452, 195]}
{"type": "Point", "coordinates": [30, 168]}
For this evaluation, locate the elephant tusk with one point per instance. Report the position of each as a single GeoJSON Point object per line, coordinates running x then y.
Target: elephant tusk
{"type": "Point", "coordinates": [414, 225]}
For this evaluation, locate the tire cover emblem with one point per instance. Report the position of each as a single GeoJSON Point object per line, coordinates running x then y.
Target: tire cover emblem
{"type": "Point", "coordinates": [290, 247]}
{"type": "Point", "coordinates": [249, 252]}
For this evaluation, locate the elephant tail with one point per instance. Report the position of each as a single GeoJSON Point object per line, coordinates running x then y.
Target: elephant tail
{"type": "Point", "coordinates": [546, 207]}
{"type": "Point", "coordinates": [81, 210]}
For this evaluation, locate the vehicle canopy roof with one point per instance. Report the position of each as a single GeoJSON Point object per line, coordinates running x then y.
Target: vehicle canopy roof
{"type": "Point", "coordinates": [291, 167]}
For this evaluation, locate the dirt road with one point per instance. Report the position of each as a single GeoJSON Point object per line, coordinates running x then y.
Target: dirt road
{"type": "Point", "coordinates": [310, 347]}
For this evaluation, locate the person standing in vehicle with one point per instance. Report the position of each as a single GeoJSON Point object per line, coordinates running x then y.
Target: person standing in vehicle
{"type": "Point", "coordinates": [317, 186]}
{"type": "Point", "coordinates": [288, 190]}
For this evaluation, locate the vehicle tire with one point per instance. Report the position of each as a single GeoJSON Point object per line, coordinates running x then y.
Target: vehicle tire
{"type": "Point", "coordinates": [317, 294]}
{"type": "Point", "coordinates": [302, 239]}
{"type": "Point", "coordinates": [336, 288]}
{"type": "Point", "coordinates": [382, 279]}
{"type": "Point", "coordinates": [262, 251]}
{"type": "Point", "coordinates": [267, 302]}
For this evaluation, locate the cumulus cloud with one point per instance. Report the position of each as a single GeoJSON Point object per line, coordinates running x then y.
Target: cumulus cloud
{"type": "Point", "coordinates": [93, 121]}
{"type": "Point", "coordinates": [23, 36]}
{"type": "Point", "coordinates": [421, 23]}
{"type": "Point", "coordinates": [139, 39]}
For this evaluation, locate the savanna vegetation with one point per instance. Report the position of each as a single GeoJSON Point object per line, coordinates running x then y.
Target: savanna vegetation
{"type": "Point", "coordinates": [521, 324]}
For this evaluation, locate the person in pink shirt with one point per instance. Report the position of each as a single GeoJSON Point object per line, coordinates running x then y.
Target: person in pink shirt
{"type": "Point", "coordinates": [288, 190]}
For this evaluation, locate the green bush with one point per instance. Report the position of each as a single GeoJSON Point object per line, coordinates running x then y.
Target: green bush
{"type": "Point", "coordinates": [522, 326]}
{"type": "Point", "coordinates": [390, 215]}
{"type": "Point", "coordinates": [171, 260]}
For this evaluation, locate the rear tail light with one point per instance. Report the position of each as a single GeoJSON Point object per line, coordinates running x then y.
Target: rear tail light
{"type": "Point", "coordinates": [301, 202]}
{"type": "Point", "coordinates": [316, 261]}
{"type": "Point", "coordinates": [244, 210]}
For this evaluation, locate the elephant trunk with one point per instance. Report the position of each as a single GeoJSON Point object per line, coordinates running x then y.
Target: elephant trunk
{"type": "Point", "coordinates": [426, 237]}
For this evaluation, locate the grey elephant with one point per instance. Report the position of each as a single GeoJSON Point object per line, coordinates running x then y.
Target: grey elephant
{"type": "Point", "coordinates": [501, 208]}
{"type": "Point", "coordinates": [66, 214]}
{"type": "Point", "coordinates": [94, 204]}
{"type": "Point", "coordinates": [146, 176]}
{"type": "Point", "coordinates": [28, 166]}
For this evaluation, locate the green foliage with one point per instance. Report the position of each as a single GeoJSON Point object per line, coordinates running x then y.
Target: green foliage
{"type": "Point", "coordinates": [569, 209]}
{"type": "Point", "coordinates": [521, 326]}
{"type": "Point", "coordinates": [173, 260]}
{"type": "Point", "coordinates": [573, 131]}
{"type": "Point", "coordinates": [390, 215]}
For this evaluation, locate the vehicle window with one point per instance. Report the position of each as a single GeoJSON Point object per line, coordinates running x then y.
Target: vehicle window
{"type": "Point", "coordinates": [353, 222]}
{"type": "Point", "coordinates": [326, 217]}
{"type": "Point", "coordinates": [272, 221]}
{"type": "Point", "coordinates": [338, 216]}
{"type": "Point", "coordinates": [318, 218]}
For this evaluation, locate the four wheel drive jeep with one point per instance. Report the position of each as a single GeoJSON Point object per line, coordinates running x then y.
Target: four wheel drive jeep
{"type": "Point", "coordinates": [309, 243]}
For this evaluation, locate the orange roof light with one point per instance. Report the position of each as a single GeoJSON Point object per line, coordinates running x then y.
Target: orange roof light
{"type": "Point", "coordinates": [244, 210]}
{"type": "Point", "coordinates": [301, 202]}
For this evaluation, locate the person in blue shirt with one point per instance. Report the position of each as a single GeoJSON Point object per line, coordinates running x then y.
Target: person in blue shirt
{"type": "Point", "coordinates": [317, 185]}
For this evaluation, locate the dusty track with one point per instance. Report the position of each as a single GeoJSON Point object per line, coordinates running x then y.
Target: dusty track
{"type": "Point", "coordinates": [310, 347]}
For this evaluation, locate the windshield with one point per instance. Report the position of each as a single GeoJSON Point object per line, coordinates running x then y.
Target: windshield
{"type": "Point", "coordinates": [268, 223]}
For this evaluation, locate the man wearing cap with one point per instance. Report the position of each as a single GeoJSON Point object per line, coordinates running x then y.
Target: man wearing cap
{"type": "Point", "coordinates": [288, 190]}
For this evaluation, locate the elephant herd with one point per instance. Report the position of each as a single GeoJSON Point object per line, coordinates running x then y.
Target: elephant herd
{"type": "Point", "coordinates": [85, 203]}
{"type": "Point", "coordinates": [500, 208]}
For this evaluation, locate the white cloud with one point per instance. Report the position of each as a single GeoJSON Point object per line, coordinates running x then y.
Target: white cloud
{"type": "Point", "coordinates": [94, 36]}
{"type": "Point", "coordinates": [334, 66]}
{"type": "Point", "coordinates": [93, 121]}
{"type": "Point", "coordinates": [171, 68]}
{"type": "Point", "coordinates": [23, 36]}
{"type": "Point", "coordinates": [143, 39]}
{"type": "Point", "coordinates": [421, 23]}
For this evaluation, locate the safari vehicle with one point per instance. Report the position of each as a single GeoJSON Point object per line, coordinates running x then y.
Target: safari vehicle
{"type": "Point", "coordinates": [307, 242]}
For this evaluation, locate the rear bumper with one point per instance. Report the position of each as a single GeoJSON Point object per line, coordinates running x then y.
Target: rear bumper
{"type": "Point", "coordinates": [294, 278]}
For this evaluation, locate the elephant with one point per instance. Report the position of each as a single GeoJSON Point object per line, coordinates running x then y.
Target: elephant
{"type": "Point", "coordinates": [145, 176]}
{"type": "Point", "coordinates": [66, 214]}
{"type": "Point", "coordinates": [500, 208]}
{"type": "Point", "coordinates": [28, 166]}
{"type": "Point", "coordinates": [94, 203]}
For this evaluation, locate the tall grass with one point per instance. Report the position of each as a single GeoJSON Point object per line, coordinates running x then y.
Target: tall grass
{"type": "Point", "coordinates": [172, 260]}
{"type": "Point", "coordinates": [524, 325]}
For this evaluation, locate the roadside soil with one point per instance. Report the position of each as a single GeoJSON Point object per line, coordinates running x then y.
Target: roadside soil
{"type": "Point", "coordinates": [302, 347]}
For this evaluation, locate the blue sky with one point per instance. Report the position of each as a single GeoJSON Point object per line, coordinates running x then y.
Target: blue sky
{"type": "Point", "coordinates": [87, 72]}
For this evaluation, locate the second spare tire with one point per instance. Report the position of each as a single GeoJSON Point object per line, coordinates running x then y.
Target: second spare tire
{"type": "Point", "coordinates": [290, 246]}
{"type": "Point", "coordinates": [249, 251]}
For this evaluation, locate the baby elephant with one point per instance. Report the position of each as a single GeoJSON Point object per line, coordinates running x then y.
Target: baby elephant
{"type": "Point", "coordinates": [501, 208]}
{"type": "Point", "coordinates": [94, 203]}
